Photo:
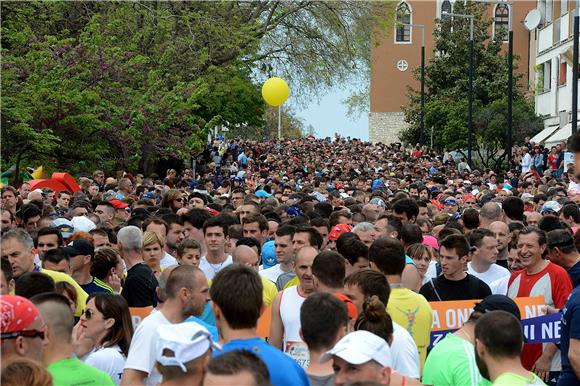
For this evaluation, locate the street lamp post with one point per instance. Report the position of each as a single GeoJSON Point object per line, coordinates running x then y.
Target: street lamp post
{"type": "Point", "coordinates": [422, 127]}
{"type": "Point", "coordinates": [575, 70]}
{"type": "Point", "coordinates": [470, 87]}
{"type": "Point", "coordinates": [510, 89]}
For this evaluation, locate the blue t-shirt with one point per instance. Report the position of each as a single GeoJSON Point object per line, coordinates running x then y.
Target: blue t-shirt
{"type": "Point", "coordinates": [574, 274]}
{"type": "Point", "coordinates": [570, 330]}
{"type": "Point", "coordinates": [212, 329]}
{"type": "Point", "coordinates": [207, 316]}
{"type": "Point", "coordinates": [284, 371]}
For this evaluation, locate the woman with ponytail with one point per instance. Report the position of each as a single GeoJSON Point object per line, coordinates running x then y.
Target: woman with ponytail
{"type": "Point", "coordinates": [377, 320]}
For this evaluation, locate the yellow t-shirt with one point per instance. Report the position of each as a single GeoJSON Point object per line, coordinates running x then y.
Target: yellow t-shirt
{"type": "Point", "coordinates": [292, 283]}
{"type": "Point", "coordinates": [81, 294]}
{"type": "Point", "coordinates": [269, 292]}
{"type": "Point", "coordinates": [412, 311]}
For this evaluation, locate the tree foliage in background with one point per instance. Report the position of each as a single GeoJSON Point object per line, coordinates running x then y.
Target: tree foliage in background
{"type": "Point", "coordinates": [125, 84]}
{"type": "Point", "coordinates": [446, 91]}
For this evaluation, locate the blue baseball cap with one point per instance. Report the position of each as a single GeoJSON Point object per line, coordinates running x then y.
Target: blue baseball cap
{"type": "Point", "coordinates": [263, 194]}
{"type": "Point", "coordinates": [269, 254]}
{"type": "Point", "coordinates": [294, 211]}
{"type": "Point", "coordinates": [377, 184]}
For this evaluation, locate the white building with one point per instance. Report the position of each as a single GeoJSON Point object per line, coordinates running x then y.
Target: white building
{"type": "Point", "coordinates": [551, 45]}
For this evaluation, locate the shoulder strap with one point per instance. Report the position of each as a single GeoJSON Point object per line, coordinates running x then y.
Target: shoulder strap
{"type": "Point", "coordinates": [435, 289]}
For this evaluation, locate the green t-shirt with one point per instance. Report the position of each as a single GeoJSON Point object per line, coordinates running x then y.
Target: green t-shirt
{"type": "Point", "coordinates": [452, 362]}
{"type": "Point", "coordinates": [511, 379]}
{"type": "Point", "coordinates": [72, 371]}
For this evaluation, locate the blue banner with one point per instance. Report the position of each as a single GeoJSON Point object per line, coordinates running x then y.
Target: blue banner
{"type": "Point", "coordinates": [541, 329]}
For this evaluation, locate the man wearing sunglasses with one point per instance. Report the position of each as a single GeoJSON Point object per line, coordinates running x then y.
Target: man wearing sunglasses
{"type": "Point", "coordinates": [58, 353]}
{"type": "Point", "coordinates": [23, 329]}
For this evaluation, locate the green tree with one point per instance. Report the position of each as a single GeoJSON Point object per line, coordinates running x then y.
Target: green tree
{"type": "Point", "coordinates": [124, 84]}
{"type": "Point", "coordinates": [446, 87]}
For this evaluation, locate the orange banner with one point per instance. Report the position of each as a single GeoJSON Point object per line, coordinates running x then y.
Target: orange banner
{"type": "Point", "coordinates": [138, 314]}
{"type": "Point", "coordinates": [453, 314]}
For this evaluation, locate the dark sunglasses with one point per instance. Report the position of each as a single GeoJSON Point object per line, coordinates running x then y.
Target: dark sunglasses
{"type": "Point", "coordinates": [88, 314]}
{"type": "Point", "coordinates": [24, 333]}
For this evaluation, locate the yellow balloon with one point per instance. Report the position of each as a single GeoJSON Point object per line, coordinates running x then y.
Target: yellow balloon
{"type": "Point", "coordinates": [275, 91]}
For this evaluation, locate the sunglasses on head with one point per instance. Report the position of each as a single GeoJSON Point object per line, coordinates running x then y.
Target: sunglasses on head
{"type": "Point", "coordinates": [23, 333]}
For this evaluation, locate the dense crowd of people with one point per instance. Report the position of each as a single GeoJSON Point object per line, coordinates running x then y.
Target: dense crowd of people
{"type": "Point", "coordinates": [301, 262]}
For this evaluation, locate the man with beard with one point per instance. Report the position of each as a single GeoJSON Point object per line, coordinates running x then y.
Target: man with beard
{"type": "Point", "coordinates": [502, 234]}
{"type": "Point", "coordinates": [175, 235]}
{"type": "Point", "coordinates": [187, 294]}
{"type": "Point", "coordinates": [498, 345]}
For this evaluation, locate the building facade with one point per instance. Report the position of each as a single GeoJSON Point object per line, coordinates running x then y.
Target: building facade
{"type": "Point", "coordinates": [395, 56]}
{"type": "Point", "coordinates": [552, 63]}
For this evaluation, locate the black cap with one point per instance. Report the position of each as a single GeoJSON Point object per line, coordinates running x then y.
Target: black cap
{"type": "Point", "coordinates": [80, 247]}
{"type": "Point", "coordinates": [498, 302]}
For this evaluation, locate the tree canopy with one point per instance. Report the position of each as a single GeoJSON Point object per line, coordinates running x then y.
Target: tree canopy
{"type": "Point", "coordinates": [124, 84]}
{"type": "Point", "coordinates": [446, 90]}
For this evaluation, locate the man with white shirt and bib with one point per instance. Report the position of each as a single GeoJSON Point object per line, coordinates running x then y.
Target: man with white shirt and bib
{"type": "Point", "coordinates": [285, 325]}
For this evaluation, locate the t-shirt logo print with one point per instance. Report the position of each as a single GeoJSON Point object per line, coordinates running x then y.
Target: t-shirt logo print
{"type": "Point", "coordinates": [410, 318]}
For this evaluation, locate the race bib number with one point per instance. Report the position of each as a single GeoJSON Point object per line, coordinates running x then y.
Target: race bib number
{"type": "Point", "coordinates": [299, 352]}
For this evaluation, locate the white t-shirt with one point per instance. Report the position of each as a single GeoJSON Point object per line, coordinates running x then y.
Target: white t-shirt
{"type": "Point", "coordinates": [108, 359]}
{"type": "Point", "coordinates": [494, 273]}
{"type": "Point", "coordinates": [272, 273]}
{"type": "Point", "coordinates": [404, 353]}
{"type": "Point", "coordinates": [526, 163]}
{"type": "Point", "coordinates": [431, 272]}
{"type": "Point", "coordinates": [500, 286]}
{"type": "Point", "coordinates": [210, 270]}
{"type": "Point", "coordinates": [167, 261]}
{"type": "Point", "coordinates": [142, 351]}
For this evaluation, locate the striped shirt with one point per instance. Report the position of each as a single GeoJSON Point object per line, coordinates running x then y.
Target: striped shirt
{"type": "Point", "coordinates": [95, 286]}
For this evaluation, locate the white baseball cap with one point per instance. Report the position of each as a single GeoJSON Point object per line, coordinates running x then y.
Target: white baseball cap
{"type": "Point", "coordinates": [82, 224]}
{"type": "Point", "coordinates": [187, 342]}
{"type": "Point", "coordinates": [361, 347]}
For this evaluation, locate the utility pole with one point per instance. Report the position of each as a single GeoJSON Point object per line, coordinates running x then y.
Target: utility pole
{"type": "Point", "coordinates": [470, 88]}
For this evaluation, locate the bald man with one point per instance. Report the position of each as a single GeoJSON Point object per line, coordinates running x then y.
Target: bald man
{"type": "Point", "coordinates": [490, 212]}
{"type": "Point", "coordinates": [247, 256]}
{"type": "Point", "coordinates": [501, 233]}
{"type": "Point", "coordinates": [533, 218]}
{"type": "Point", "coordinates": [285, 325]}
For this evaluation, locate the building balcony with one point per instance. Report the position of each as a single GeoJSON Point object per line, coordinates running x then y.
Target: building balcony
{"type": "Point", "coordinates": [556, 33]}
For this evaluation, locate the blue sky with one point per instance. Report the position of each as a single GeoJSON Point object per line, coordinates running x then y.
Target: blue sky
{"type": "Point", "coordinates": [330, 116]}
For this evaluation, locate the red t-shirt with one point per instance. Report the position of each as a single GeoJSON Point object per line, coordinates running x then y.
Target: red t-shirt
{"type": "Point", "coordinates": [554, 284]}
{"type": "Point", "coordinates": [350, 307]}
{"type": "Point", "coordinates": [553, 160]}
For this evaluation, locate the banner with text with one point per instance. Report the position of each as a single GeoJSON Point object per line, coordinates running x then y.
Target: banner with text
{"type": "Point", "coordinates": [449, 316]}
